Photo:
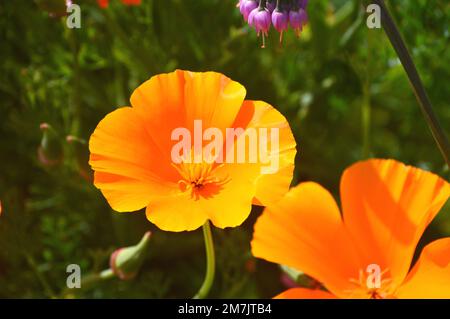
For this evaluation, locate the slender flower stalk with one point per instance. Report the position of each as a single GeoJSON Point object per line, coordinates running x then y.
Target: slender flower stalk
{"type": "Point", "coordinates": [90, 280]}
{"type": "Point", "coordinates": [210, 263]}
{"type": "Point", "coordinates": [419, 90]}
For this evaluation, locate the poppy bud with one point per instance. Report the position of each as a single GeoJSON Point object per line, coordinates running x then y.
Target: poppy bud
{"type": "Point", "coordinates": [291, 273]}
{"type": "Point", "coordinates": [50, 152]}
{"type": "Point", "coordinates": [288, 281]}
{"type": "Point", "coordinates": [81, 154]}
{"type": "Point", "coordinates": [126, 262]}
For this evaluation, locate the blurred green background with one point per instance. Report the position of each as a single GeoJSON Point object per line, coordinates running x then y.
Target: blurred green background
{"type": "Point", "coordinates": [340, 86]}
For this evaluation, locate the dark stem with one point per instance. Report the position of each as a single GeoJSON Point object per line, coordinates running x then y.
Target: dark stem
{"type": "Point", "coordinates": [262, 5]}
{"type": "Point", "coordinates": [425, 104]}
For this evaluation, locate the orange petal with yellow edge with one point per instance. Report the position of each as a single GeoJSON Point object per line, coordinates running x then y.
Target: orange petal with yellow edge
{"type": "Point", "coordinates": [386, 207]}
{"type": "Point", "coordinates": [127, 165]}
{"type": "Point", "coordinates": [173, 100]}
{"type": "Point", "coordinates": [430, 277]}
{"type": "Point", "coordinates": [304, 230]}
{"type": "Point", "coordinates": [276, 158]}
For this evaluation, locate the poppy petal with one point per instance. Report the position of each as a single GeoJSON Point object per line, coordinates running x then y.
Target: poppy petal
{"type": "Point", "coordinates": [304, 230]}
{"type": "Point", "coordinates": [278, 159]}
{"type": "Point", "coordinates": [177, 99]}
{"type": "Point", "coordinates": [213, 98]}
{"type": "Point", "coordinates": [225, 205]}
{"type": "Point", "coordinates": [128, 174]}
{"type": "Point", "coordinates": [160, 103]}
{"type": "Point", "coordinates": [386, 207]}
{"type": "Point", "coordinates": [430, 277]}
{"type": "Point", "coordinates": [177, 212]}
{"type": "Point", "coordinates": [304, 293]}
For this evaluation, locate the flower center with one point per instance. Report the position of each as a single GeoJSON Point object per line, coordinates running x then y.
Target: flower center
{"type": "Point", "coordinates": [201, 179]}
{"type": "Point", "coordinates": [372, 287]}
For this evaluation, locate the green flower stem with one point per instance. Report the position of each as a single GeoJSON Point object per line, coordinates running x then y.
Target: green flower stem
{"type": "Point", "coordinates": [91, 280]}
{"type": "Point", "coordinates": [210, 263]}
{"type": "Point", "coordinates": [425, 104]}
{"type": "Point", "coordinates": [107, 274]}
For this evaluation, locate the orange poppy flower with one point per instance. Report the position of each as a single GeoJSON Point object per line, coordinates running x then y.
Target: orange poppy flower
{"type": "Point", "coordinates": [386, 207]}
{"type": "Point", "coordinates": [134, 168]}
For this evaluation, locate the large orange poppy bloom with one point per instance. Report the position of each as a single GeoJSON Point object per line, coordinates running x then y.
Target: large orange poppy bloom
{"type": "Point", "coordinates": [386, 208]}
{"type": "Point", "coordinates": [131, 153]}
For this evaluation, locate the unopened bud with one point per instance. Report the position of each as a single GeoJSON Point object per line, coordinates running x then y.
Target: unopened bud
{"type": "Point", "coordinates": [81, 154]}
{"type": "Point", "coordinates": [50, 152]}
{"type": "Point", "coordinates": [126, 262]}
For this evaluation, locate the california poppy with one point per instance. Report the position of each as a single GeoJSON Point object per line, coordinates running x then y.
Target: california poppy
{"type": "Point", "coordinates": [386, 207]}
{"type": "Point", "coordinates": [131, 153]}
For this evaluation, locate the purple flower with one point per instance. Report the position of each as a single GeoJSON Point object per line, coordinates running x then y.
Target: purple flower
{"type": "Point", "coordinates": [298, 19]}
{"type": "Point", "coordinates": [303, 17]}
{"type": "Point", "coordinates": [261, 14]}
{"type": "Point", "coordinates": [251, 17]}
{"type": "Point", "coordinates": [246, 7]}
{"type": "Point", "coordinates": [262, 21]}
{"type": "Point", "coordinates": [280, 21]}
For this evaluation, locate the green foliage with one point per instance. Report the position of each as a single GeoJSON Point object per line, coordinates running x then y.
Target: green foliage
{"type": "Point", "coordinates": [340, 85]}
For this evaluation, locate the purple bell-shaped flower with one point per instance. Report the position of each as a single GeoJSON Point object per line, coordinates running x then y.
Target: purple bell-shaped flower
{"type": "Point", "coordinates": [280, 21]}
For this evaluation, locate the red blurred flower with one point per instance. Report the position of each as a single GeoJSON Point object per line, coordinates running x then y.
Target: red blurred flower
{"type": "Point", "coordinates": [104, 3]}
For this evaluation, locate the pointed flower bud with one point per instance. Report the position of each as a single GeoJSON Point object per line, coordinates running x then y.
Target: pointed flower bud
{"type": "Point", "coordinates": [81, 154]}
{"type": "Point", "coordinates": [126, 262]}
{"type": "Point", "coordinates": [50, 152]}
